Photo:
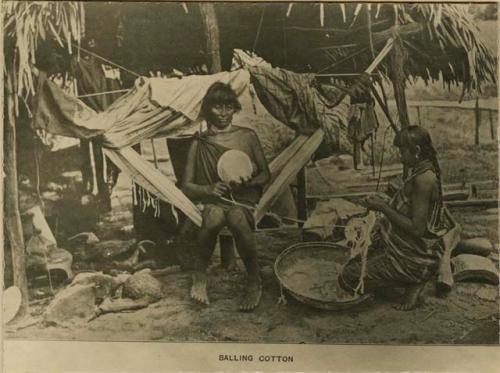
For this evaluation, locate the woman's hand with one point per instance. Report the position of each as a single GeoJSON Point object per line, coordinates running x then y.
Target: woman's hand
{"type": "Point", "coordinates": [375, 203]}
{"type": "Point", "coordinates": [218, 189]}
{"type": "Point", "coordinates": [243, 181]}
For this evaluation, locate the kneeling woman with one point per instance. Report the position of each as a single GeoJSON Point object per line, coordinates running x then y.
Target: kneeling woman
{"type": "Point", "coordinates": [407, 244]}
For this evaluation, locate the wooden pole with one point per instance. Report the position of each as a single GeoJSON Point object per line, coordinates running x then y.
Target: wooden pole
{"type": "Point", "coordinates": [398, 78]}
{"type": "Point", "coordinates": [478, 121]}
{"type": "Point", "coordinates": [372, 139]}
{"type": "Point", "coordinates": [12, 223]}
{"type": "Point", "coordinates": [209, 19]}
{"type": "Point", "coordinates": [492, 127]}
{"type": "Point", "coordinates": [418, 115]}
{"type": "Point", "coordinates": [301, 195]}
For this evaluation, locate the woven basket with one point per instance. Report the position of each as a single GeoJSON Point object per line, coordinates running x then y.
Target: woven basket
{"type": "Point", "coordinates": [327, 251]}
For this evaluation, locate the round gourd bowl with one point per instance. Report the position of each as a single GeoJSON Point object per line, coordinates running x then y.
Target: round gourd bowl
{"type": "Point", "coordinates": [234, 165]}
{"type": "Point", "coordinates": [309, 272]}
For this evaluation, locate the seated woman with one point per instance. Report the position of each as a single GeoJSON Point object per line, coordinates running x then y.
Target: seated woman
{"type": "Point", "coordinates": [406, 248]}
{"type": "Point", "coordinates": [201, 182]}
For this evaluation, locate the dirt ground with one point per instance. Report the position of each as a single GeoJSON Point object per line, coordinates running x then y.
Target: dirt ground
{"type": "Point", "coordinates": [469, 314]}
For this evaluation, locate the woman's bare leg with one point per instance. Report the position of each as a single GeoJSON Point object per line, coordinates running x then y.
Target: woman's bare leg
{"type": "Point", "coordinates": [212, 223]}
{"type": "Point", "coordinates": [237, 222]}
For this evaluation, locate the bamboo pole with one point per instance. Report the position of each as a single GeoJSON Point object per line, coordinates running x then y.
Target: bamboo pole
{"type": "Point", "coordinates": [12, 223]}
{"type": "Point", "coordinates": [209, 19]}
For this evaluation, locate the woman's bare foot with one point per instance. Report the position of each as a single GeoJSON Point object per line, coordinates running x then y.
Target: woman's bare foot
{"type": "Point", "coordinates": [252, 295]}
{"type": "Point", "coordinates": [199, 288]}
{"type": "Point", "coordinates": [411, 297]}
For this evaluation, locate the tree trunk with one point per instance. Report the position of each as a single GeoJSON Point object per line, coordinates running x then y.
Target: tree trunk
{"type": "Point", "coordinates": [12, 222]}
{"type": "Point", "coordinates": [210, 24]}
{"type": "Point", "coordinates": [477, 116]}
{"type": "Point", "coordinates": [398, 78]}
{"type": "Point", "coordinates": [209, 19]}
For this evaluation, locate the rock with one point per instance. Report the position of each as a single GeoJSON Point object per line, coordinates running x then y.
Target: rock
{"type": "Point", "coordinates": [142, 284]}
{"type": "Point", "coordinates": [488, 293]}
{"type": "Point", "coordinates": [468, 267]}
{"type": "Point", "coordinates": [75, 304]}
{"type": "Point", "coordinates": [104, 285]}
{"type": "Point", "coordinates": [475, 246]}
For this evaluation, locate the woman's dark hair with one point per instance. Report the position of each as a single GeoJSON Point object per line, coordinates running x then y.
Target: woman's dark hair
{"type": "Point", "coordinates": [218, 94]}
{"type": "Point", "coordinates": [413, 136]}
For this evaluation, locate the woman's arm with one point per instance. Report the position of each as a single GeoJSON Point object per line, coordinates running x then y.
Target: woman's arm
{"type": "Point", "coordinates": [422, 188]}
{"type": "Point", "coordinates": [264, 175]}
{"type": "Point", "coordinates": [193, 190]}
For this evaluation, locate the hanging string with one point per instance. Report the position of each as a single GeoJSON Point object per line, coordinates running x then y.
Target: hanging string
{"type": "Point", "coordinates": [281, 298]}
{"type": "Point", "coordinates": [382, 158]}
{"type": "Point", "coordinates": [385, 109]}
{"type": "Point", "coordinates": [48, 272]}
{"type": "Point", "coordinates": [106, 60]}
{"type": "Point", "coordinates": [104, 93]}
{"type": "Point", "coordinates": [259, 29]}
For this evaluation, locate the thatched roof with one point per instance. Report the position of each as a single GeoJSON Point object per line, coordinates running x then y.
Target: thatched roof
{"type": "Point", "coordinates": [321, 37]}
{"type": "Point", "coordinates": [303, 37]}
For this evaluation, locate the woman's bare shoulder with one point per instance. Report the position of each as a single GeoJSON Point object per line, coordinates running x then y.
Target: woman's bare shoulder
{"type": "Point", "coordinates": [246, 132]}
{"type": "Point", "coordinates": [427, 180]}
{"type": "Point", "coordinates": [243, 129]}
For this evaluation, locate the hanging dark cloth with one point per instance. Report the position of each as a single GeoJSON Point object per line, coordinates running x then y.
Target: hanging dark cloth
{"type": "Point", "coordinates": [362, 120]}
{"type": "Point", "coordinates": [91, 78]}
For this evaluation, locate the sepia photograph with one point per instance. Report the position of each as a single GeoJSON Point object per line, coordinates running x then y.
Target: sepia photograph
{"type": "Point", "coordinates": [255, 172]}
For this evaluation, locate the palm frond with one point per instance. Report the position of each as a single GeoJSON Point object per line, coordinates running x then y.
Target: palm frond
{"type": "Point", "coordinates": [25, 23]}
{"type": "Point", "coordinates": [450, 44]}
